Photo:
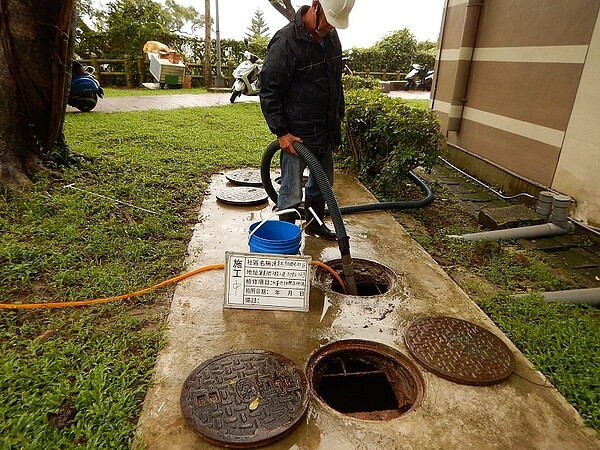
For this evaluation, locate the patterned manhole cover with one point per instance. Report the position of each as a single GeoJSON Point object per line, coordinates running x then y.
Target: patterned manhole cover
{"type": "Point", "coordinates": [459, 351]}
{"type": "Point", "coordinates": [242, 195]}
{"type": "Point", "coordinates": [245, 177]}
{"type": "Point", "coordinates": [245, 399]}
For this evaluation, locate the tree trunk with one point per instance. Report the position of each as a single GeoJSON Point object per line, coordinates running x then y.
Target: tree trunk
{"type": "Point", "coordinates": [285, 8]}
{"type": "Point", "coordinates": [36, 43]}
{"type": "Point", "coordinates": [207, 28]}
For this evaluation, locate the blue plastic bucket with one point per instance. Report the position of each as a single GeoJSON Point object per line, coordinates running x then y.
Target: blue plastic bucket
{"type": "Point", "coordinates": [275, 236]}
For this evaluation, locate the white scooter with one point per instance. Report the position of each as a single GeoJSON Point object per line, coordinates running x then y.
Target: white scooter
{"type": "Point", "coordinates": [246, 76]}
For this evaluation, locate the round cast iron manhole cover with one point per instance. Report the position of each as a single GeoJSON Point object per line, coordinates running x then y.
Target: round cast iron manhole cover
{"type": "Point", "coordinates": [242, 195]}
{"type": "Point", "coordinates": [245, 177]}
{"type": "Point", "coordinates": [459, 351]}
{"type": "Point", "coordinates": [245, 399]}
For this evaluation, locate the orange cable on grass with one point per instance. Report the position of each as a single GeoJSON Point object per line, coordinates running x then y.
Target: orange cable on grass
{"type": "Point", "coordinates": [110, 299]}
{"type": "Point", "coordinates": [176, 279]}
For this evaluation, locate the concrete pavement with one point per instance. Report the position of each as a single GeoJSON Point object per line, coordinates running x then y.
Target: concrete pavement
{"type": "Point", "coordinates": [173, 101]}
{"type": "Point", "coordinates": [167, 101]}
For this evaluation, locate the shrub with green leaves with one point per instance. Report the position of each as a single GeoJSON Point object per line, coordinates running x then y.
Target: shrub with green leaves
{"type": "Point", "coordinates": [384, 138]}
{"type": "Point", "coordinates": [359, 82]}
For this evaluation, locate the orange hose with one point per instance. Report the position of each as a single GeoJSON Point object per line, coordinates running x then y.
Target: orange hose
{"type": "Point", "coordinates": [110, 299]}
{"type": "Point", "coordinates": [176, 279]}
{"type": "Point", "coordinates": [334, 273]}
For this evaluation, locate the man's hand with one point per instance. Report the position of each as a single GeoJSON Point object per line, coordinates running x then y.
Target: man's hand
{"type": "Point", "coordinates": [286, 143]}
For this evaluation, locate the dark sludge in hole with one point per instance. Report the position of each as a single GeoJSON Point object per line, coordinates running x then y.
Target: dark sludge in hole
{"type": "Point", "coordinates": [362, 289]}
{"type": "Point", "coordinates": [365, 384]}
{"type": "Point", "coordinates": [370, 391]}
{"type": "Point", "coordinates": [371, 278]}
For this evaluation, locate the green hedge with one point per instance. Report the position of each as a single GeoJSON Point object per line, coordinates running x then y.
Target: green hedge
{"type": "Point", "coordinates": [384, 138]}
{"type": "Point", "coordinates": [359, 82]}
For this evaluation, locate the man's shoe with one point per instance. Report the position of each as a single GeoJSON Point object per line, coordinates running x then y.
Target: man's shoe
{"type": "Point", "coordinates": [313, 227]}
{"type": "Point", "coordinates": [289, 217]}
{"type": "Point", "coordinates": [322, 231]}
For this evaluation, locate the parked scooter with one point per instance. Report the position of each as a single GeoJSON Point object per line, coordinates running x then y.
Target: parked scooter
{"type": "Point", "coordinates": [85, 89]}
{"type": "Point", "coordinates": [428, 80]}
{"type": "Point", "coordinates": [346, 70]}
{"type": "Point", "coordinates": [346, 60]}
{"type": "Point", "coordinates": [419, 78]}
{"type": "Point", "coordinates": [246, 76]}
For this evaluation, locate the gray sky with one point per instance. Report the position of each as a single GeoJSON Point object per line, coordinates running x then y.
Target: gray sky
{"type": "Point", "coordinates": [370, 20]}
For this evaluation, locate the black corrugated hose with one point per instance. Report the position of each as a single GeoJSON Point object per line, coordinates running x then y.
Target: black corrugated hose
{"type": "Point", "coordinates": [333, 209]}
{"type": "Point", "coordinates": [265, 172]}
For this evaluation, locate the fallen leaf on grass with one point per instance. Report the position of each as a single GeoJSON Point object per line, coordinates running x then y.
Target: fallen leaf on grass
{"type": "Point", "coordinates": [45, 336]}
{"type": "Point", "coordinates": [64, 416]}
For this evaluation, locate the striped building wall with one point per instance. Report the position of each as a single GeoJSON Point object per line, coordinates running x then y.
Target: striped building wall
{"type": "Point", "coordinates": [517, 90]}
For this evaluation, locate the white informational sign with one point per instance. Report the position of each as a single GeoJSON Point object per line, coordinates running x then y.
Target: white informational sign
{"type": "Point", "coordinates": [264, 281]}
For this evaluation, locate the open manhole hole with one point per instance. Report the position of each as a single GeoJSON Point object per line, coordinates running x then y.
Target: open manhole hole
{"type": "Point", "coordinates": [371, 277]}
{"type": "Point", "coordinates": [245, 399]}
{"type": "Point", "coordinates": [365, 380]}
{"type": "Point", "coordinates": [277, 180]}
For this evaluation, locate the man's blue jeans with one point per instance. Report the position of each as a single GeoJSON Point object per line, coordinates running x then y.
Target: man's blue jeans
{"type": "Point", "coordinates": [292, 167]}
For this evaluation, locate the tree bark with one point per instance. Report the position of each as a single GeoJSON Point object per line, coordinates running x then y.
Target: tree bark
{"type": "Point", "coordinates": [207, 29]}
{"type": "Point", "coordinates": [36, 44]}
{"type": "Point", "coordinates": [285, 8]}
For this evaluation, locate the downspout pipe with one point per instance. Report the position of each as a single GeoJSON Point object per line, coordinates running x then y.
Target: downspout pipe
{"type": "Point", "coordinates": [463, 67]}
{"type": "Point", "coordinates": [589, 296]}
{"type": "Point", "coordinates": [557, 213]}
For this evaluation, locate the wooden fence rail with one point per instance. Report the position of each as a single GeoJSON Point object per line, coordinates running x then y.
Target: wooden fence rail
{"type": "Point", "coordinates": [123, 72]}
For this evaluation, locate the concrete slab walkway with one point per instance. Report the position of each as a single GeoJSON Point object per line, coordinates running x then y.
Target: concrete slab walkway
{"type": "Point", "coordinates": [525, 411]}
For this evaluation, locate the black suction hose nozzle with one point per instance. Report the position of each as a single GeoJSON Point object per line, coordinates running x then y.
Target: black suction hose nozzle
{"type": "Point", "coordinates": [317, 171]}
{"type": "Point", "coordinates": [336, 216]}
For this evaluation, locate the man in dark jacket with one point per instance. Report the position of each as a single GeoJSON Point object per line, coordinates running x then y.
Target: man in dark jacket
{"type": "Point", "coordinates": [302, 100]}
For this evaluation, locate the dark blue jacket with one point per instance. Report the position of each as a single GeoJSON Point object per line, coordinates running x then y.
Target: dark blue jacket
{"type": "Point", "coordinates": [301, 86]}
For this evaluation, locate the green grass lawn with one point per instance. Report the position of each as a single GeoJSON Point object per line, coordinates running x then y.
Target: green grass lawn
{"type": "Point", "coordinates": [76, 378]}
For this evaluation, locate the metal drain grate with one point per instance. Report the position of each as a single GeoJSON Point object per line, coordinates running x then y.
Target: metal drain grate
{"type": "Point", "coordinates": [365, 380]}
{"type": "Point", "coordinates": [245, 399]}
{"type": "Point", "coordinates": [242, 196]}
{"type": "Point", "coordinates": [459, 351]}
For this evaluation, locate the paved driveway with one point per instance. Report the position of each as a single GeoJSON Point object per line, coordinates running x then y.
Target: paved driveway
{"type": "Point", "coordinates": [173, 101]}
